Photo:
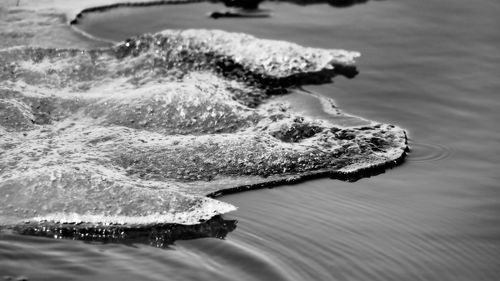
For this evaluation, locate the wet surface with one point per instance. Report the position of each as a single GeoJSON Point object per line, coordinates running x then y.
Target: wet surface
{"type": "Point", "coordinates": [143, 131]}
{"type": "Point", "coordinates": [427, 66]}
{"type": "Point", "coordinates": [157, 235]}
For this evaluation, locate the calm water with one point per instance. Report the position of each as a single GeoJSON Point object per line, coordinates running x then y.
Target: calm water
{"type": "Point", "coordinates": [429, 66]}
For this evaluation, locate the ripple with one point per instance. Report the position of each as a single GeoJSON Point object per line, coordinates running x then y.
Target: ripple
{"type": "Point", "coordinates": [363, 233]}
{"type": "Point", "coordinates": [428, 152]}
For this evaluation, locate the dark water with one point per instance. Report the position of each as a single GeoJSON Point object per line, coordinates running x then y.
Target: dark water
{"type": "Point", "coordinates": [429, 66]}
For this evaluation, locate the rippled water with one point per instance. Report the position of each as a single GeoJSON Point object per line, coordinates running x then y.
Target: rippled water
{"type": "Point", "coordinates": [429, 66]}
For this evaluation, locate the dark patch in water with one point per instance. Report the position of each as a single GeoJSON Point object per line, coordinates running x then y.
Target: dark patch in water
{"type": "Point", "coordinates": [246, 4]}
{"type": "Point", "coordinates": [333, 3]}
{"type": "Point", "coordinates": [249, 8]}
{"type": "Point", "coordinates": [241, 13]}
{"type": "Point", "coordinates": [254, 4]}
{"type": "Point", "coordinates": [158, 235]}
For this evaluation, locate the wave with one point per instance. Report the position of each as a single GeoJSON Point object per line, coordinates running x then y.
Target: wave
{"type": "Point", "coordinates": [149, 127]}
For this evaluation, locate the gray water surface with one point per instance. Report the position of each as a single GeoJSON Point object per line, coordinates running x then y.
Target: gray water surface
{"type": "Point", "coordinates": [428, 66]}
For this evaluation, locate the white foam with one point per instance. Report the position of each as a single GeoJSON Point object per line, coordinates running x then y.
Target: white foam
{"type": "Point", "coordinates": [204, 212]}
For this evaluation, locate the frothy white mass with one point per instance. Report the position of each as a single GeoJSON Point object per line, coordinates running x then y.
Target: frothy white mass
{"type": "Point", "coordinates": [143, 131]}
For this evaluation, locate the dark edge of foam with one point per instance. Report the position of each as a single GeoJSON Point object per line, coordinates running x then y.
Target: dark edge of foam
{"type": "Point", "coordinates": [157, 235]}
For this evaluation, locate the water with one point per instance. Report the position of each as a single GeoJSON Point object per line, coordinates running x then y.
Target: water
{"type": "Point", "coordinates": [429, 66]}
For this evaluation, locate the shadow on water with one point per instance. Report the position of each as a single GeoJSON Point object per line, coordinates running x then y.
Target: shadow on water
{"type": "Point", "coordinates": [250, 8]}
{"type": "Point", "coordinates": [240, 8]}
{"type": "Point", "coordinates": [159, 235]}
{"type": "Point", "coordinates": [254, 4]}
{"type": "Point", "coordinates": [231, 69]}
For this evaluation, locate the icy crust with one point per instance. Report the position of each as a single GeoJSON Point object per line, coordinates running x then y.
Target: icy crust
{"type": "Point", "coordinates": [142, 132]}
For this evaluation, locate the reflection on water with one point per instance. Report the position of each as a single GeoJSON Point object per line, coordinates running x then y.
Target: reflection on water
{"type": "Point", "coordinates": [250, 8]}
{"type": "Point", "coordinates": [428, 66]}
{"type": "Point", "coordinates": [160, 236]}
{"type": "Point", "coordinates": [333, 3]}
{"type": "Point", "coordinates": [253, 4]}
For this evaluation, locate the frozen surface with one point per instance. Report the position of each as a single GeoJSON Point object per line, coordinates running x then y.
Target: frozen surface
{"type": "Point", "coordinates": [142, 132]}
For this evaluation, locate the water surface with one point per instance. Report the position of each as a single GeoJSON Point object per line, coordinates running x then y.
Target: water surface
{"type": "Point", "coordinates": [428, 66]}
